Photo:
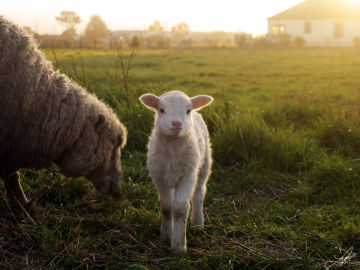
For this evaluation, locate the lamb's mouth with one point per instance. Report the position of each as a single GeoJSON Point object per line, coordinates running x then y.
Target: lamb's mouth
{"type": "Point", "coordinates": [176, 130]}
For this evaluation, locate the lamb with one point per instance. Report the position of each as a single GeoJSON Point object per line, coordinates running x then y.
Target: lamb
{"type": "Point", "coordinates": [179, 161]}
{"type": "Point", "coordinates": [46, 118]}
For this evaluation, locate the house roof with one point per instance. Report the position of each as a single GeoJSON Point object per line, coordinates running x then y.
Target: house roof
{"type": "Point", "coordinates": [319, 10]}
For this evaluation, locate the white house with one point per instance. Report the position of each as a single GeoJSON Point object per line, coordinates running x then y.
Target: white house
{"type": "Point", "coordinates": [318, 22]}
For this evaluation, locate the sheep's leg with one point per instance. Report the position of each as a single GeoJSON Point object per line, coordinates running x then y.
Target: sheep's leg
{"type": "Point", "coordinates": [180, 211]}
{"type": "Point", "coordinates": [14, 191]}
{"type": "Point", "coordinates": [197, 202]}
{"type": "Point", "coordinates": [166, 197]}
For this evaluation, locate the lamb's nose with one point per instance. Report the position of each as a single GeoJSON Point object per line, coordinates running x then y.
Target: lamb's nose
{"type": "Point", "coordinates": [176, 124]}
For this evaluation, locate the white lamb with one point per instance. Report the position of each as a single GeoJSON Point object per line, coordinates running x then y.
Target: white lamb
{"type": "Point", "coordinates": [179, 161]}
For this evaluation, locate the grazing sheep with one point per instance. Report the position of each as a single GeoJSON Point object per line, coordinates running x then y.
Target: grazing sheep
{"type": "Point", "coordinates": [179, 161]}
{"type": "Point", "coordinates": [46, 118]}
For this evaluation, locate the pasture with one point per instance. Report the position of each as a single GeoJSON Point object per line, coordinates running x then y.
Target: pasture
{"type": "Point", "coordinates": [284, 193]}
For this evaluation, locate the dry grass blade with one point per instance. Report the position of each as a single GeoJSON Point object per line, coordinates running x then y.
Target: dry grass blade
{"type": "Point", "coordinates": [344, 260]}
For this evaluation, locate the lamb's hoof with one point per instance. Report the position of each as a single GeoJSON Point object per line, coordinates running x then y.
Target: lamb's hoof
{"type": "Point", "coordinates": [179, 249]}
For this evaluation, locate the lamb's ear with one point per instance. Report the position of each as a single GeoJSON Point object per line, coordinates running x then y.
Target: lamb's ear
{"type": "Point", "coordinates": [150, 100]}
{"type": "Point", "coordinates": [100, 123]}
{"type": "Point", "coordinates": [201, 101]}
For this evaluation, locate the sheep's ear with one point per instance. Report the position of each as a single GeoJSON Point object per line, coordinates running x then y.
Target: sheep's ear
{"type": "Point", "coordinates": [122, 139]}
{"type": "Point", "coordinates": [201, 101]}
{"type": "Point", "coordinates": [150, 100]}
{"type": "Point", "coordinates": [100, 123]}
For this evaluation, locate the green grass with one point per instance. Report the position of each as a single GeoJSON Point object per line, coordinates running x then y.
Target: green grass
{"type": "Point", "coordinates": [284, 193]}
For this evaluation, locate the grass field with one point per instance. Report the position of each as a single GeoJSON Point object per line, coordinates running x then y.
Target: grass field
{"type": "Point", "coordinates": [284, 193]}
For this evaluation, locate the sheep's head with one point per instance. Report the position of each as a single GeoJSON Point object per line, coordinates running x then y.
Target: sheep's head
{"type": "Point", "coordinates": [107, 173]}
{"type": "Point", "coordinates": [96, 154]}
{"type": "Point", "coordinates": [173, 111]}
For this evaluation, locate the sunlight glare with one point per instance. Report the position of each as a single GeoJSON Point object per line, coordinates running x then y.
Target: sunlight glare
{"type": "Point", "coordinates": [201, 15]}
{"type": "Point", "coordinates": [354, 2]}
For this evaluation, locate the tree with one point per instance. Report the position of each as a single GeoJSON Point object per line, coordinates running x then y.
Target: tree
{"type": "Point", "coordinates": [156, 26]}
{"type": "Point", "coordinates": [135, 42]}
{"type": "Point", "coordinates": [68, 34]}
{"type": "Point", "coordinates": [181, 28]}
{"type": "Point", "coordinates": [29, 31]}
{"type": "Point", "coordinates": [218, 38]}
{"type": "Point", "coordinates": [242, 39]}
{"type": "Point", "coordinates": [179, 32]}
{"type": "Point", "coordinates": [69, 19]}
{"type": "Point", "coordinates": [95, 29]}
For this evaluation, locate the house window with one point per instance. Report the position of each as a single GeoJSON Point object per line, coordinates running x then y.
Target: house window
{"type": "Point", "coordinates": [278, 30]}
{"type": "Point", "coordinates": [307, 27]}
{"type": "Point", "coordinates": [338, 30]}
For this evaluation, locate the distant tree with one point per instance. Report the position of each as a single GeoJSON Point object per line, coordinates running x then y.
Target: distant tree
{"type": "Point", "coordinates": [242, 39]}
{"type": "Point", "coordinates": [95, 29]}
{"type": "Point", "coordinates": [68, 34]}
{"type": "Point", "coordinates": [219, 38]}
{"type": "Point", "coordinates": [156, 26]}
{"type": "Point", "coordinates": [182, 28]}
{"type": "Point", "coordinates": [158, 40]}
{"type": "Point", "coordinates": [179, 32]}
{"type": "Point", "coordinates": [28, 30]}
{"type": "Point", "coordinates": [135, 42]}
{"type": "Point", "coordinates": [261, 41]}
{"type": "Point", "coordinates": [69, 19]}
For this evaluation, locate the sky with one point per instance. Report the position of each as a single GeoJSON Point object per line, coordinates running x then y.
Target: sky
{"type": "Point", "coordinates": [201, 15]}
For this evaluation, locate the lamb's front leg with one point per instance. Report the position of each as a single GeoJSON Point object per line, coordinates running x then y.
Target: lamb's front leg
{"type": "Point", "coordinates": [166, 196]}
{"type": "Point", "coordinates": [180, 212]}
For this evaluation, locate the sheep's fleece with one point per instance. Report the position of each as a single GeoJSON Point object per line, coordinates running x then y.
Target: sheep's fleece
{"type": "Point", "coordinates": [45, 117]}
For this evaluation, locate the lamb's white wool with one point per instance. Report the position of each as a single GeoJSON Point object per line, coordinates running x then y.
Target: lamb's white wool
{"type": "Point", "coordinates": [179, 161]}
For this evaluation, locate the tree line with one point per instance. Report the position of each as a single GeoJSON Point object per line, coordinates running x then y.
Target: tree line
{"type": "Point", "coordinates": [97, 35]}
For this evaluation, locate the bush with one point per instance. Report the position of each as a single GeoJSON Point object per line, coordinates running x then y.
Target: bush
{"type": "Point", "coordinates": [299, 42]}
{"type": "Point", "coordinates": [261, 42]}
{"type": "Point", "coordinates": [284, 40]}
{"type": "Point", "coordinates": [356, 41]}
{"type": "Point", "coordinates": [243, 40]}
{"type": "Point", "coordinates": [135, 42]}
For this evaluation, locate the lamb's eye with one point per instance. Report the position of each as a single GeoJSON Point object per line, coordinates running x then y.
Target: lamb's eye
{"type": "Point", "coordinates": [162, 110]}
{"type": "Point", "coordinates": [188, 111]}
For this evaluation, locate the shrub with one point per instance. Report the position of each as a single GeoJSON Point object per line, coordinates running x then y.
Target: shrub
{"type": "Point", "coordinates": [284, 40]}
{"type": "Point", "coordinates": [299, 42]}
{"type": "Point", "coordinates": [356, 41]}
{"type": "Point", "coordinates": [135, 42]}
{"type": "Point", "coordinates": [243, 39]}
